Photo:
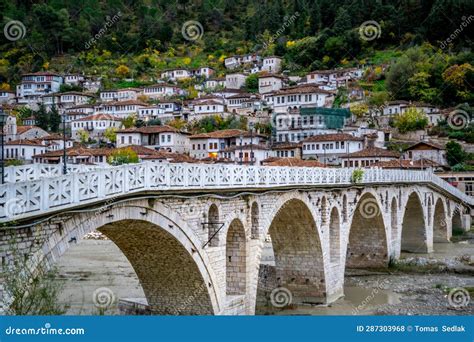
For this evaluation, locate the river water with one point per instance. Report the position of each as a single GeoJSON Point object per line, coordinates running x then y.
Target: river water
{"type": "Point", "coordinates": [92, 265]}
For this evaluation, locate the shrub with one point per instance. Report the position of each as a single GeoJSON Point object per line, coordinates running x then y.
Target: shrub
{"type": "Point", "coordinates": [357, 176]}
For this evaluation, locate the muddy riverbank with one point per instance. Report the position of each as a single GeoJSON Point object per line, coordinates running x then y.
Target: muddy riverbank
{"type": "Point", "coordinates": [419, 285]}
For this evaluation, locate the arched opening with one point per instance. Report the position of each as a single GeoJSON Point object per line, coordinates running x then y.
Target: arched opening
{"type": "Point", "coordinates": [235, 259]}
{"type": "Point", "coordinates": [298, 263]}
{"type": "Point", "coordinates": [457, 221]}
{"type": "Point", "coordinates": [394, 221]}
{"type": "Point", "coordinates": [213, 225]}
{"type": "Point", "coordinates": [440, 225]}
{"type": "Point", "coordinates": [255, 220]}
{"type": "Point", "coordinates": [170, 278]}
{"type": "Point", "coordinates": [414, 238]}
{"type": "Point", "coordinates": [334, 236]}
{"type": "Point", "coordinates": [367, 237]}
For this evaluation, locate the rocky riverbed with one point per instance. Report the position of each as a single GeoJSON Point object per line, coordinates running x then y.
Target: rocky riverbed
{"type": "Point", "coordinates": [95, 269]}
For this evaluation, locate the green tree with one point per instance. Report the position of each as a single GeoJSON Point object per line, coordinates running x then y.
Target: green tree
{"type": "Point", "coordinates": [122, 71]}
{"type": "Point", "coordinates": [359, 109]}
{"type": "Point", "coordinates": [251, 83]}
{"type": "Point", "coordinates": [111, 134]}
{"type": "Point", "coordinates": [129, 121]}
{"type": "Point", "coordinates": [455, 154]}
{"type": "Point", "coordinates": [30, 290]}
{"type": "Point", "coordinates": [411, 120]}
{"type": "Point", "coordinates": [54, 119]}
{"type": "Point", "coordinates": [419, 87]}
{"type": "Point", "coordinates": [123, 156]}
{"type": "Point", "coordinates": [83, 136]}
{"type": "Point", "coordinates": [41, 117]}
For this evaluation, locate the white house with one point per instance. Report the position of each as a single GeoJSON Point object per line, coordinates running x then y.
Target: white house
{"type": "Point", "coordinates": [23, 149]}
{"type": "Point", "coordinates": [252, 154]}
{"type": "Point", "coordinates": [208, 145]}
{"type": "Point", "coordinates": [30, 132]}
{"type": "Point", "coordinates": [214, 83]}
{"type": "Point", "coordinates": [332, 79]}
{"type": "Point", "coordinates": [205, 72]}
{"type": "Point", "coordinates": [7, 96]}
{"type": "Point", "coordinates": [34, 85]}
{"type": "Point", "coordinates": [161, 90]}
{"type": "Point", "coordinates": [84, 108]}
{"type": "Point", "coordinates": [243, 103]}
{"type": "Point", "coordinates": [271, 64]}
{"type": "Point", "coordinates": [91, 85]}
{"type": "Point", "coordinates": [251, 58]}
{"type": "Point", "coordinates": [125, 94]}
{"type": "Point", "coordinates": [65, 100]}
{"type": "Point", "coordinates": [176, 74]}
{"type": "Point", "coordinates": [235, 81]}
{"type": "Point", "coordinates": [121, 109]}
{"type": "Point", "coordinates": [428, 151]}
{"type": "Point", "coordinates": [232, 62]}
{"type": "Point", "coordinates": [10, 128]}
{"type": "Point", "coordinates": [54, 142]}
{"type": "Point", "coordinates": [368, 156]}
{"type": "Point", "coordinates": [164, 138]}
{"type": "Point", "coordinates": [269, 83]}
{"type": "Point", "coordinates": [202, 109]}
{"type": "Point", "coordinates": [397, 107]}
{"type": "Point", "coordinates": [73, 79]}
{"type": "Point", "coordinates": [94, 125]}
{"type": "Point", "coordinates": [299, 96]}
{"type": "Point", "coordinates": [329, 148]}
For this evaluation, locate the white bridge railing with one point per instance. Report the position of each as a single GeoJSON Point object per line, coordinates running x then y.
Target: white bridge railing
{"type": "Point", "coordinates": [48, 194]}
{"type": "Point", "coordinates": [31, 172]}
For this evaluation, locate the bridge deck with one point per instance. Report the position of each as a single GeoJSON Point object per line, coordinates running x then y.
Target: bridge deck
{"type": "Point", "coordinates": [42, 195]}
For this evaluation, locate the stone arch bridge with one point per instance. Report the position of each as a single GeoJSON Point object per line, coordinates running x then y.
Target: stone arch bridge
{"type": "Point", "coordinates": [194, 234]}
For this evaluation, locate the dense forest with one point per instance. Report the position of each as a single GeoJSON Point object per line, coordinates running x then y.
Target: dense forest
{"type": "Point", "coordinates": [137, 39]}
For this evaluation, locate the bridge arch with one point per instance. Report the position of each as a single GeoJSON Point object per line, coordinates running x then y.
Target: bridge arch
{"type": "Point", "coordinates": [236, 259]}
{"type": "Point", "coordinates": [414, 230]}
{"type": "Point", "coordinates": [367, 243]}
{"type": "Point", "coordinates": [165, 253]}
{"type": "Point", "coordinates": [440, 222]}
{"type": "Point", "coordinates": [213, 225]}
{"type": "Point", "coordinates": [298, 251]}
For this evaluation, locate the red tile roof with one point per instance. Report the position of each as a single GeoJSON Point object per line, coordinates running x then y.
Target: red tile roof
{"type": "Point", "coordinates": [302, 89]}
{"type": "Point", "coordinates": [98, 117]}
{"type": "Point", "coordinates": [24, 129]}
{"type": "Point", "coordinates": [24, 142]}
{"type": "Point", "coordinates": [406, 164]}
{"type": "Point", "coordinates": [148, 129]}
{"type": "Point", "coordinates": [226, 133]}
{"type": "Point", "coordinates": [274, 161]}
{"type": "Point", "coordinates": [333, 137]}
{"type": "Point", "coordinates": [373, 152]}
{"type": "Point", "coordinates": [426, 143]}
{"type": "Point", "coordinates": [245, 147]}
{"type": "Point", "coordinates": [82, 151]}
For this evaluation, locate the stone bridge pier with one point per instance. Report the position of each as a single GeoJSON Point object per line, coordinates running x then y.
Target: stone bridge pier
{"type": "Point", "coordinates": [202, 253]}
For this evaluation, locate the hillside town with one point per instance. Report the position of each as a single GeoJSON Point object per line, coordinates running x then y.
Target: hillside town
{"type": "Point", "coordinates": [254, 114]}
